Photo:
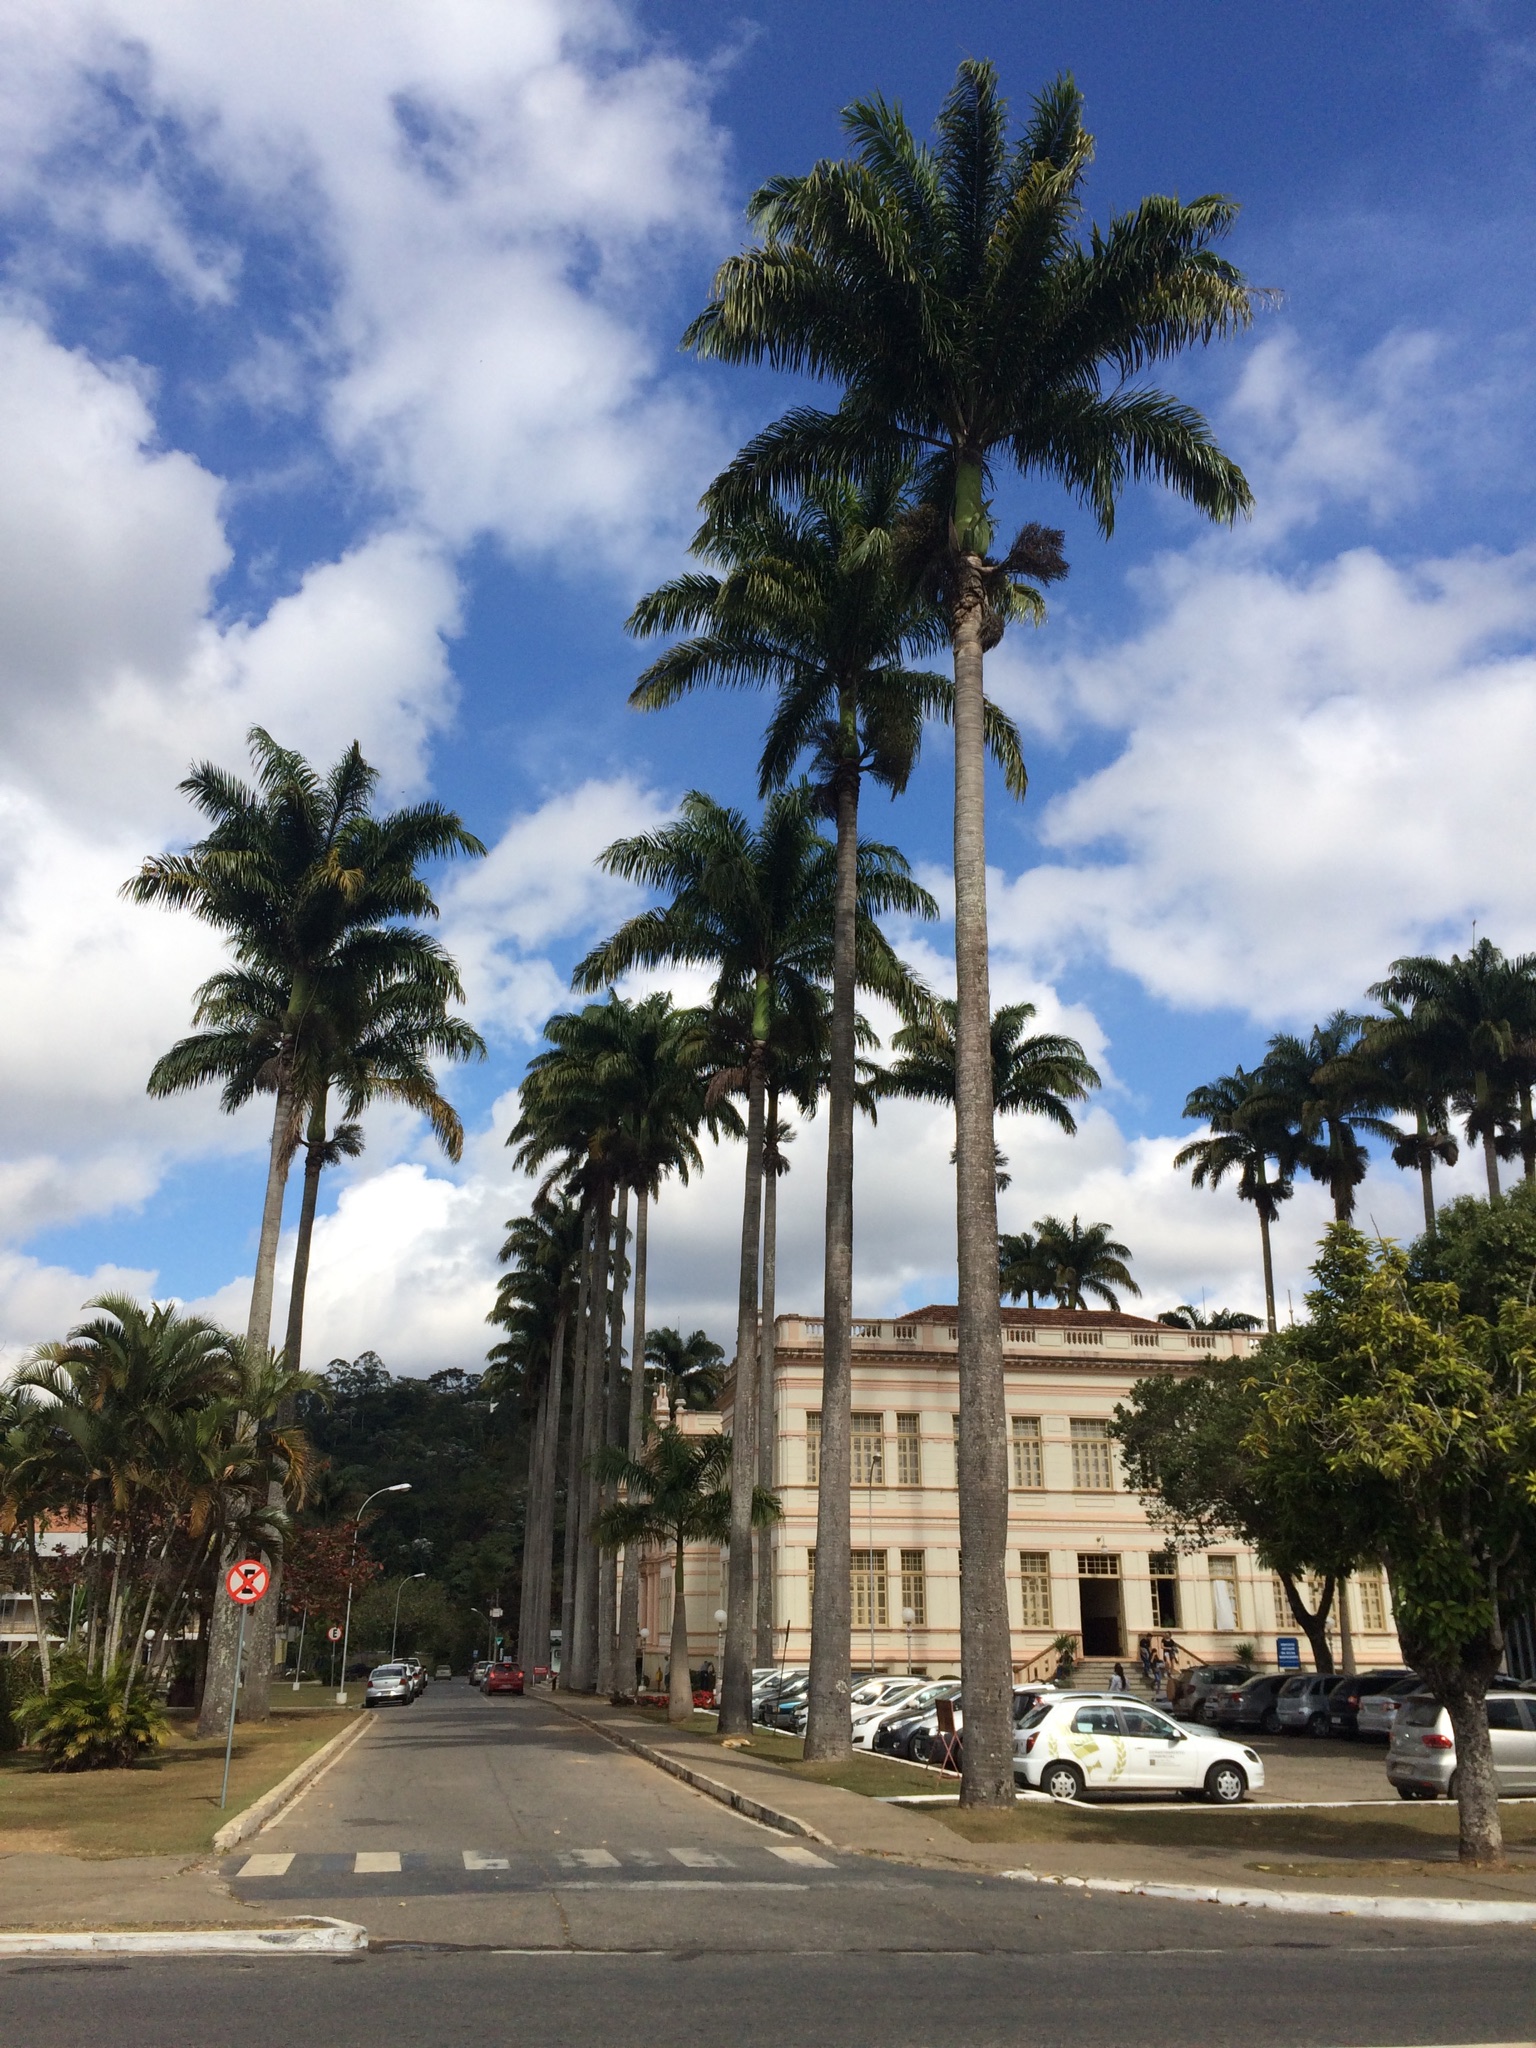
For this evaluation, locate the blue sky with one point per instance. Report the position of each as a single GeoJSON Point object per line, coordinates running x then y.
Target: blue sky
{"type": "Point", "coordinates": [342, 395]}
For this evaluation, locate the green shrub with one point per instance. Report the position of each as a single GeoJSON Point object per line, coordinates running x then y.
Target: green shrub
{"type": "Point", "coordinates": [83, 1723]}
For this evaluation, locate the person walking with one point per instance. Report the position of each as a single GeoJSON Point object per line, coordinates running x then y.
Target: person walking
{"type": "Point", "coordinates": [1170, 1667]}
{"type": "Point", "coordinates": [1118, 1682]}
{"type": "Point", "coordinates": [1144, 1652]}
{"type": "Point", "coordinates": [1159, 1676]}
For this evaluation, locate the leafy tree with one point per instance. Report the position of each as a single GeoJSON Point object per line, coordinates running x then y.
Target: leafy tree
{"type": "Point", "coordinates": [676, 1492]}
{"type": "Point", "coordinates": [1083, 1259]}
{"type": "Point", "coordinates": [1426, 1416]}
{"type": "Point", "coordinates": [758, 907]}
{"type": "Point", "coordinates": [1187, 1317]}
{"type": "Point", "coordinates": [1246, 1129]}
{"type": "Point", "coordinates": [950, 292]}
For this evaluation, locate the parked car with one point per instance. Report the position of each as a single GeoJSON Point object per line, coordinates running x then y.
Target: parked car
{"type": "Point", "coordinates": [1347, 1698]}
{"type": "Point", "coordinates": [1193, 1687]}
{"type": "Point", "coordinates": [914, 1717]}
{"type": "Point", "coordinates": [389, 1685]}
{"type": "Point", "coordinates": [1421, 1759]}
{"type": "Point", "coordinates": [1302, 1702]}
{"type": "Point", "coordinates": [867, 1728]}
{"type": "Point", "coordinates": [417, 1673]}
{"type": "Point", "coordinates": [443, 1671]}
{"type": "Point", "coordinates": [503, 1677]}
{"type": "Point", "coordinates": [1070, 1745]}
{"type": "Point", "coordinates": [1379, 1712]}
{"type": "Point", "coordinates": [1246, 1706]}
{"type": "Point", "coordinates": [478, 1669]}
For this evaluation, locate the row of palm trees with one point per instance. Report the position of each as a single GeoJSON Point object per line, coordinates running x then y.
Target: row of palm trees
{"type": "Point", "coordinates": [168, 1439]}
{"type": "Point", "coordinates": [1454, 1040]}
{"type": "Point", "coordinates": [948, 294]}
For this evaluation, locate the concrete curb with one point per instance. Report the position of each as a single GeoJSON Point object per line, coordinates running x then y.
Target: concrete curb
{"type": "Point", "coordinates": [741, 1802]}
{"type": "Point", "coordinates": [1457, 1912]}
{"type": "Point", "coordinates": [317, 1937]}
{"type": "Point", "coordinates": [270, 1804]}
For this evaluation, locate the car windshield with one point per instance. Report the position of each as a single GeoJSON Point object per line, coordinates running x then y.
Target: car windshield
{"type": "Point", "coordinates": [1422, 1713]}
{"type": "Point", "coordinates": [388, 1671]}
{"type": "Point", "coordinates": [1036, 1714]}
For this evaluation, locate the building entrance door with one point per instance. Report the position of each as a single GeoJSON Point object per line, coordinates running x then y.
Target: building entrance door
{"type": "Point", "coordinates": [1098, 1593]}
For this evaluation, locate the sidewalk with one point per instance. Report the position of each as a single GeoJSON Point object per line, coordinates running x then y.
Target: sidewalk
{"type": "Point", "coordinates": [861, 1826]}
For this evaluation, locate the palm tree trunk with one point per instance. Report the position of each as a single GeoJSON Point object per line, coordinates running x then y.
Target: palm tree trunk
{"type": "Point", "coordinates": [572, 1543]}
{"type": "Point", "coordinates": [736, 1689]}
{"type": "Point", "coordinates": [828, 1727]}
{"type": "Point", "coordinates": [1426, 1173]}
{"type": "Point", "coordinates": [1527, 1132]}
{"type": "Point", "coordinates": [629, 1594]}
{"type": "Point", "coordinates": [679, 1682]}
{"type": "Point", "coordinates": [314, 1163]}
{"type": "Point", "coordinates": [767, 1432]}
{"type": "Point", "coordinates": [1269, 1266]}
{"type": "Point", "coordinates": [1490, 1149]}
{"type": "Point", "coordinates": [985, 1640]}
{"type": "Point", "coordinates": [607, 1614]}
{"type": "Point", "coordinates": [44, 1657]}
{"type": "Point", "coordinates": [529, 1567]}
{"type": "Point", "coordinates": [533, 1631]}
{"type": "Point", "coordinates": [584, 1620]}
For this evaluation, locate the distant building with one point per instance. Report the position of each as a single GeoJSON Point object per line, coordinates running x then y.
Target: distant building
{"type": "Point", "coordinates": [1083, 1557]}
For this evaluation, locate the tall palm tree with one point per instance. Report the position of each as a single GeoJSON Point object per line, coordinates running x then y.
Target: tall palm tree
{"type": "Point", "coordinates": [1022, 1269]}
{"type": "Point", "coordinates": [676, 1492]}
{"type": "Point", "coordinates": [812, 601]}
{"type": "Point", "coordinates": [1084, 1259]}
{"type": "Point", "coordinates": [756, 905]}
{"type": "Point", "coordinates": [1475, 1004]}
{"type": "Point", "coordinates": [1187, 1317]}
{"type": "Point", "coordinates": [1246, 1129]}
{"type": "Point", "coordinates": [1408, 1064]}
{"type": "Point", "coordinates": [691, 1370]}
{"type": "Point", "coordinates": [1331, 1101]}
{"type": "Point", "coordinates": [951, 293]}
{"type": "Point", "coordinates": [1035, 1075]}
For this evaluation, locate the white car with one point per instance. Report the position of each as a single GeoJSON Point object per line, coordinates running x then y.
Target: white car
{"type": "Point", "coordinates": [868, 1723]}
{"type": "Point", "coordinates": [1091, 1743]}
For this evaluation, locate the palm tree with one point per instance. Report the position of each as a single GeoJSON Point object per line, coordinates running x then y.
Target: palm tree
{"type": "Point", "coordinates": [812, 601]}
{"type": "Point", "coordinates": [949, 291]}
{"type": "Point", "coordinates": [1083, 1259]}
{"type": "Point", "coordinates": [1023, 1272]}
{"type": "Point", "coordinates": [678, 1490]}
{"type": "Point", "coordinates": [1331, 1102]}
{"type": "Point", "coordinates": [1037, 1075]}
{"type": "Point", "coordinates": [1246, 1130]}
{"type": "Point", "coordinates": [1187, 1317]}
{"type": "Point", "coordinates": [1478, 1008]}
{"type": "Point", "coordinates": [1408, 1064]}
{"type": "Point", "coordinates": [691, 1370]}
{"type": "Point", "coordinates": [758, 907]}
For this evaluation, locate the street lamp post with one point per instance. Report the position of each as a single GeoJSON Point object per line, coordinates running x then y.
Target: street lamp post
{"type": "Point", "coordinates": [645, 1637]}
{"type": "Point", "coordinates": [400, 1486]}
{"type": "Point", "coordinates": [876, 1478]}
{"type": "Point", "coordinates": [496, 1614]}
{"type": "Point", "coordinates": [909, 1616]}
{"type": "Point", "coordinates": [720, 1618]}
{"type": "Point", "coordinates": [394, 1627]}
{"type": "Point", "coordinates": [298, 1664]}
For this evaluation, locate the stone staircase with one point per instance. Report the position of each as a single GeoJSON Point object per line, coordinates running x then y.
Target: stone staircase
{"type": "Point", "coordinates": [1094, 1674]}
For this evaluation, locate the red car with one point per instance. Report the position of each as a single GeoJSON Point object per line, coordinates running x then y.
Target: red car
{"type": "Point", "coordinates": [503, 1678]}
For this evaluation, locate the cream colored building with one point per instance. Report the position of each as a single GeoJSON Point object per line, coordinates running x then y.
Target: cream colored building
{"type": "Point", "coordinates": [1083, 1558]}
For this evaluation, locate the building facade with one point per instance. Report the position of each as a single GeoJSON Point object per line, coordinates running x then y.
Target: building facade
{"type": "Point", "coordinates": [1083, 1557]}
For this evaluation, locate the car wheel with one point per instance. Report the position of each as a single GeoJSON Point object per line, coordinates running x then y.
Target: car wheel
{"type": "Point", "coordinates": [1451, 1789]}
{"type": "Point", "coordinates": [1063, 1782]}
{"type": "Point", "coordinates": [1271, 1722]}
{"type": "Point", "coordinates": [1226, 1784]}
{"type": "Point", "coordinates": [921, 1749]}
{"type": "Point", "coordinates": [1414, 1792]}
{"type": "Point", "coordinates": [1317, 1726]}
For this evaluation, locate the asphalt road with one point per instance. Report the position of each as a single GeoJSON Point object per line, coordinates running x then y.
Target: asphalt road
{"type": "Point", "coordinates": [521, 1879]}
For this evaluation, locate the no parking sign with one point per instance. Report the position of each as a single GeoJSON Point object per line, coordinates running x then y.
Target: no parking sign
{"type": "Point", "coordinates": [247, 1582]}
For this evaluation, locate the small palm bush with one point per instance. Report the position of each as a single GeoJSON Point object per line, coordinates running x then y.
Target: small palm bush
{"type": "Point", "coordinates": [83, 1722]}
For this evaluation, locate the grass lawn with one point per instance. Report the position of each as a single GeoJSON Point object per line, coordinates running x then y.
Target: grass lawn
{"type": "Point", "coordinates": [1422, 1833]}
{"type": "Point", "coordinates": [168, 1805]}
{"type": "Point", "coordinates": [872, 1776]}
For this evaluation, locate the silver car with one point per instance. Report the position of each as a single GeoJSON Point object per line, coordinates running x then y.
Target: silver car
{"type": "Point", "coordinates": [389, 1685]}
{"type": "Point", "coordinates": [1421, 1761]}
{"type": "Point", "coordinates": [1379, 1710]}
{"type": "Point", "coordinates": [1302, 1703]}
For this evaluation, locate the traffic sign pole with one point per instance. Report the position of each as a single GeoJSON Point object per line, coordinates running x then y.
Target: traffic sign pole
{"type": "Point", "coordinates": [234, 1694]}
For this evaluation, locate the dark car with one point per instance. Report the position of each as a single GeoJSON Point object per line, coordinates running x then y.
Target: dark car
{"type": "Point", "coordinates": [1247, 1706]}
{"type": "Point", "coordinates": [1344, 1700]}
{"type": "Point", "coordinates": [896, 1738]}
{"type": "Point", "coordinates": [1193, 1687]}
{"type": "Point", "coordinates": [503, 1677]}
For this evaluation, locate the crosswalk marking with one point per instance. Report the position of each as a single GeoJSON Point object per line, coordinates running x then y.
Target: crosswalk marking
{"type": "Point", "coordinates": [647, 1857]}
{"type": "Point", "coordinates": [473, 1860]}
{"type": "Point", "coordinates": [589, 1859]}
{"type": "Point", "coordinates": [805, 1858]}
{"type": "Point", "coordinates": [701, 1859]}
{"type": "Point", "coordinates": [376, 1863]}
{"type": "Point", "coordinates": [265, 1866]}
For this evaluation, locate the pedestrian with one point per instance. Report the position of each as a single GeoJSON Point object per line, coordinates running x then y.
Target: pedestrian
{"type": "Point", "coordinates": [1171, 1666]}
{"type": "Point", "coordinates": [1144, 1652]}
{"type": "Point", "coordinates": [1159, 1675]}
{"type": "Point", "coordinates": [1117, 1683]}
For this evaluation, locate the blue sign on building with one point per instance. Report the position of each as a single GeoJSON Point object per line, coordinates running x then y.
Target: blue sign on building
{"type": "Point", "coordinates": [1288, 1652]}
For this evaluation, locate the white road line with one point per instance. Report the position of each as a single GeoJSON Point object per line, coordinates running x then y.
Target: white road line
{"type": "Point", "coordinates": [648, 1857]}
{"type": "Point", "coordinates": [265, 1866]}
{"type": "Point", "coordinates": [376, 1863]}
{"type": "Point", "coordinates": [589, 1859]}
{"type": "Point", "coordinates": [473, 1860]}
{"type": "Point", "coordinates": [806, 1858]}
{"type": "Point", "coordinates": [701, 1859]}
